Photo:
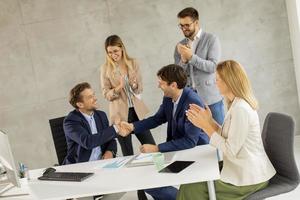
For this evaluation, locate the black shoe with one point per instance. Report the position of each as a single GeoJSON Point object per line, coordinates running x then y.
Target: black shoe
{"type": "Point", "coordinates": [141, 195]}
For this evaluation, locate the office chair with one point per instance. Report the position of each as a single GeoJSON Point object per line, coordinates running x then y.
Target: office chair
{"type": "Point", "coordinates": [278, 139]}
{"type": "Point", "coordinates": [59, 138]}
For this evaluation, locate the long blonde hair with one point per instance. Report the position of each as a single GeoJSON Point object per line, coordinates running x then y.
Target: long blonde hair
{"type": "Point", "coordinates": [109, 65]}
{"type": "Point", "coordinates": [235, 78]}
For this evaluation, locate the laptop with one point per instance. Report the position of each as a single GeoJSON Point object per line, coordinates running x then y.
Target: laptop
{"type": "Point", "coordinates": [65, 176]}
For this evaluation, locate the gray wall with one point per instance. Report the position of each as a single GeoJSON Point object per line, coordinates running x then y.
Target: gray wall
{"type": "Point", "coordinates": [46, 47]}
{"type": "Point", "coordinates": [293, 11]}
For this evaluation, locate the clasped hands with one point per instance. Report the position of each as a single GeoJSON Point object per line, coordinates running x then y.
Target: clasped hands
{"type": "Point", "coordinates": [125, 128]}
{"type": "Point", "coordinates": [132, 83]}
{"type": "Point", "coordinates": [185, 52]}
{"type": "Point", "coordinates": [201, 118]}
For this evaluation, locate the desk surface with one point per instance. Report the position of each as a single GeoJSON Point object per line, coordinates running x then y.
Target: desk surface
{"type": "Point", "coordinates": [107, 181]}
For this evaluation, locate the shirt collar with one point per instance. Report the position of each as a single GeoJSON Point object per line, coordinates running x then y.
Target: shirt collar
{"type": "Point", "coordinates": [197, 36]}
{"type": "Point", "coordinates": [86, 116]}
{"type": "Point", "coordinates": [177, 101]}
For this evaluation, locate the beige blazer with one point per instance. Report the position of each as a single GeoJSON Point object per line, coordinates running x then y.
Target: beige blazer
{"type": "Point", "coordinates": [118, 105]}
{"type": "Point", "coordinates": [244, 157]}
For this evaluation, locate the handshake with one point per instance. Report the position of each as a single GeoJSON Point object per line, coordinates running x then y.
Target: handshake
{"type": "Point", "coordinates": [124, 128]}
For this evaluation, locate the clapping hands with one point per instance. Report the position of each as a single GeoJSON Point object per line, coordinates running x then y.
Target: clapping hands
{"type": "Point", "coordinates": [185, 52]}
{"type": "Point", "coordinates": [200, 117]}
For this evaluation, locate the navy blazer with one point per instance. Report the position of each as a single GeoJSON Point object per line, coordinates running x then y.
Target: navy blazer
{"type": "Point", "coordinates": [181, 133]}
{"type": "Point", "coordinates": [80, 139]}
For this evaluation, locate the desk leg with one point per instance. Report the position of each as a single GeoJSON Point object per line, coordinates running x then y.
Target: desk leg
{"type": "Point", "coordinates": [211, 190]}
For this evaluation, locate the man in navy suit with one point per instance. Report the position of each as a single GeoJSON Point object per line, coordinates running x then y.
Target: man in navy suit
{"type": "Point", "coordinates": [181, 133]}
{"type": "Point", "coordinates": [88, 134]}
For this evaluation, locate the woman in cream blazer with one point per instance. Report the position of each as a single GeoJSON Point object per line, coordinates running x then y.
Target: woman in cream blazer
{"type": "Point", "coordinates": [246, 167]}
{"type": "Point", "coordinates": [121, 84]}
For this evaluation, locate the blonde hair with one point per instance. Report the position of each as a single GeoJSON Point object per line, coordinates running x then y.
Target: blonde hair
{"type": "Point", "coordinates": [235, 78]}
{"type": "Point", "coordinates": [109, 65]}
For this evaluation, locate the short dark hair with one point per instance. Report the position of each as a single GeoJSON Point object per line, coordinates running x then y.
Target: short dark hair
{"type": "Point", "coordinates": [75, 93]}
{"type": "Point", "coordinates": [189, 12]}
{"type": "Point", "coordinates": [173, 73]}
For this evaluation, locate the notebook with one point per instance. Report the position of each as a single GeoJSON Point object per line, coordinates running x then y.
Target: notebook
{"type": "Point", "coordinates": [146, 159]}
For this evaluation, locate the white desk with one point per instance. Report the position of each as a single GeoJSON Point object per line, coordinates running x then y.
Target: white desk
{"type": "Point", "coordinates": [107, 181]}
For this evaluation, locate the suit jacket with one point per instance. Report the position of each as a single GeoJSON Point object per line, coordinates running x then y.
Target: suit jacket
{"type": "Point", "coordinates": [80, 139]}
{"type": "Point", "coordinates": [118, 106]}
{"type": "Point", "coordinates": [203, 64]}
{"type": "Point", "coordinates": [181, 133]}
{"type": "Point", "coordinates": [245, 161]}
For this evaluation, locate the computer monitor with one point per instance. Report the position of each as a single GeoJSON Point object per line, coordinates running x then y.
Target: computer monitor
{"type": "Point", "coordinates": [9, 171]}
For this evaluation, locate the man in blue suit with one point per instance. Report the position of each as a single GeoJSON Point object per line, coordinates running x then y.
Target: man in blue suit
{"type": "Point", "coordinates": [181, 133]}
{"type": "Point", "coordinates": [88, 134]}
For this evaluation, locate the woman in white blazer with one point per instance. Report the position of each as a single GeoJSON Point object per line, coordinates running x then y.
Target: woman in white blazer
{"type": "Point", "coordinates": [246, 167]}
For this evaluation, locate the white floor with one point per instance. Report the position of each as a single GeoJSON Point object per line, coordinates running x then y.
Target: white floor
{"type": "Point", "coordinates": [288, 196]}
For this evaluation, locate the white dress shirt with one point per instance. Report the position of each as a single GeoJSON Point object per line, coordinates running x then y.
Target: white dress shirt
{"type": "Point", "coordinates": [244, 159]}
{"type": "Point", "coordinates": [195, 41]}
{"type": "Point", "coordinates": [96, 152]}
{"type": "Point", "coordinates": [175, 103]}
{"type": "Point", "coordinates": [193, 44]}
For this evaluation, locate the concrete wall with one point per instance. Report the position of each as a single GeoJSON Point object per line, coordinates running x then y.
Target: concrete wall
{"type": "Point", "coordinates": [46, 47]}
{"type": "Point", "coordinates": [293, 9]}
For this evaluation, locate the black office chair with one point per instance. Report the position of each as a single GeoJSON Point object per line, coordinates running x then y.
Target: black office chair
{"type": "Point", "coordinates": [278, 139]}
{"type": "Point", "coordinates": [59, 138]}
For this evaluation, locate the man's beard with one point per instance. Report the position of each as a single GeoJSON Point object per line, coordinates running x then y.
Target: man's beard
{"type": "Point", "coordinates": [189, 34]}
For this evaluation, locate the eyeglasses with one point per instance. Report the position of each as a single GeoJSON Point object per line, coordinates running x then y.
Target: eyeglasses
{"type": "Point", "coordinates": [181, 26]}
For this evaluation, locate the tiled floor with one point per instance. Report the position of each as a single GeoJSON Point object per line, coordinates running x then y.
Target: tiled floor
{"type": "Point", "coordinates": [289, 196]}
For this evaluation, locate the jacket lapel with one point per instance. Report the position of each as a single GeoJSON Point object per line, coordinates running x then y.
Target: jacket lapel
{"type": "Point", "coordinates": [178, 109]}
{"type": "Point", "coordinates": [86, 123]}
{"type": "Point", "coordinates": [98, 122]}
{"type": "Point", "coordinates": [200, 41]}
{"type": "Point", "coordinates": [180, 103]}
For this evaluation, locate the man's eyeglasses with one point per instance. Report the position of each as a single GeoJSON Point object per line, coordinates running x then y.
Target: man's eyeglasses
{"type": "Point", "coordinates": [181, 26]}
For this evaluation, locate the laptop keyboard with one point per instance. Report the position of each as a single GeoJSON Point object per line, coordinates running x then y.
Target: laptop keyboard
{"type": "Point", "coordinates": [66, 176]}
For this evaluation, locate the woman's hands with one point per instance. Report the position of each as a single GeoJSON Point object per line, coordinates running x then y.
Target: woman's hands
{"type": "Point", "coordinates": [202, 118]}
{"type": "Point", "coordinates": [133, 83]}
{"type": "Point", "coordinates": [121, 85]}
